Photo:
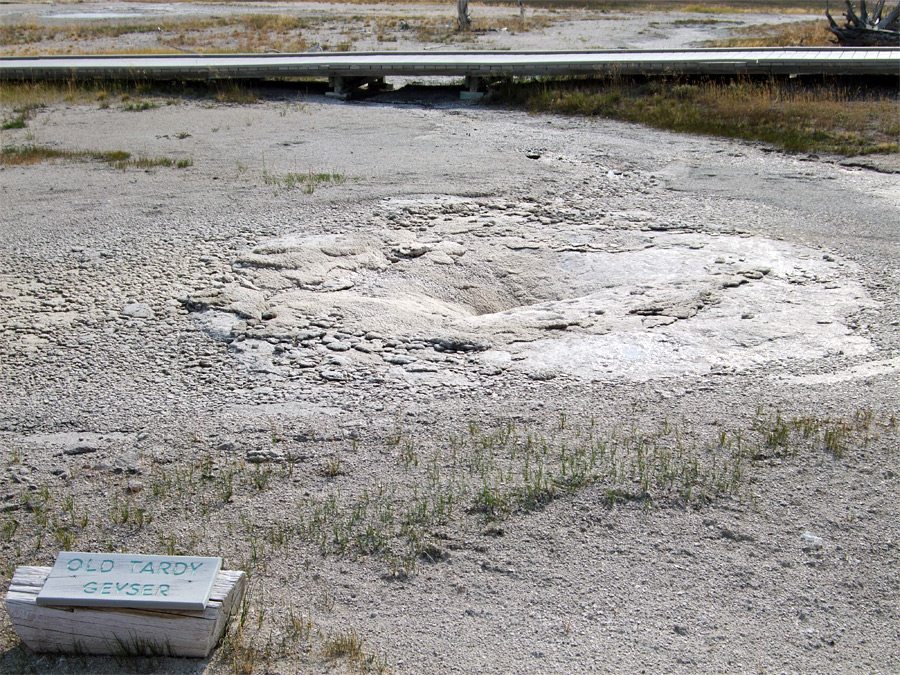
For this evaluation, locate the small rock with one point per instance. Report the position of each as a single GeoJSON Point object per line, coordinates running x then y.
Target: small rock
{"type": "Point", "coordinates": [333, 285]}
{"type": "Point", "coordinates": [263, 455]}
{"type": "Point", "coordinates": [332, 375]}
{"type": "Point", "coordinates": [420, 368]}
{"type": "Point", "coordinates": [137, 310]}
{"type": "Point", "coordinates": [734, 282]}
{"type": "Point", "coordinates": [399, 359]}
{"type": "Point", "coordinates": [433, 553]}
{"type": "Point", "coordinates": [20, 478]}
{"type": "Point", "coordinates": [727, 533]}
{"type": "Point", "coordinates": [127, 463]}
{"type": "Point", "coordinates": [812, 541]}
{"type": "Point", "coordinates": [302, 335]}
{"type": "Point", "coordinates": [409, 250]}
{"type": "Point", "coordinates": [80, 448]}
{"type": "Point", "coordinates": [440, 258]}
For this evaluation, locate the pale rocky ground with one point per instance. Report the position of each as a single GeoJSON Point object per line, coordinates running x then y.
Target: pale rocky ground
{"type": "Point", "coordinates": [480, 266]}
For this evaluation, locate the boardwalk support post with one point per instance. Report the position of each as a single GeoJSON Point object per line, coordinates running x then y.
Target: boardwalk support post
{"type": "Point", "coordinates": [474, 88]}
{"type": "Point", "coordinates": [350, 87]}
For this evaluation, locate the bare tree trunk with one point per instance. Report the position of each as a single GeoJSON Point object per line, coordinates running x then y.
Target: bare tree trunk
{"type": "Point", "coordinates": [462, 8]}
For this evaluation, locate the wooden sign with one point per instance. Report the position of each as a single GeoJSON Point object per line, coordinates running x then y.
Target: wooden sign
{"type": "Point", "coordinates": [125, 580]}
{"type": "Point", "coordinates": [149, 631]}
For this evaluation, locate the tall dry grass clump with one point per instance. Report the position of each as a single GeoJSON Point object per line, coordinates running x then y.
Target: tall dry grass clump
{"type": "Point", "coordinates": [822, 118]}
{"type": "Point", "coordinates": [797, 34]}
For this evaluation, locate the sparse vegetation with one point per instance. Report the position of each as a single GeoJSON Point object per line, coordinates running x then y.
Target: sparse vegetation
{"type": "Point", "coordinates": [251, 33]}
{"type": "Point", "coordinates": [239, 33]}
{"type": "Point", "coordinates": [794, 34]}
{"type": "Point", "coordinates": [470, 479]}
{"type": "Point", "coordinates": [233, 91]}
{"type": "Point", "coordinates": [25, 97]}
{"type": "Point", "coordinates": [33, 154]}
{"type": "Point", "coordinates": [444, 29]}
{"type": "Point", "coordinates": [306, 181]}
{"type": "Point", "coordinates": [822, 117]}
{"type": "Point", "coordinates": [465, 486]}
{"type": "Point", "coordinates": [246, 646]}
{"type": "Point", "coordinates": [15, 122]}
{"type": "Point", "coordinates": [139, 106]}
{"type": "Point", "coordinates": [20, 117]}
{"type": "Point", "coordinates": [791, 115]}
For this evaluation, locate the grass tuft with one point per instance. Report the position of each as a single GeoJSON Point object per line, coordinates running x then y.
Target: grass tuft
{"type": "Point", "coordinates": [343, 645]}
{"type": "Point", "coordinates": [21, 115]}
{"type": "Point", "coordinates": [140, 106]}
{"type": "Point", "coordinates": [233, 91]}
{"type": "Point", "coordinates": [14, 122]}
{"type": "Point", "coordinates": [306, 181]}
{"type": "Point", "coordinates": [348, 646]}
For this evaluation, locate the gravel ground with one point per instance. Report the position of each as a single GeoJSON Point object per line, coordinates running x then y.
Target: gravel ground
{"type": "Point", "coordinates": [476, 277]}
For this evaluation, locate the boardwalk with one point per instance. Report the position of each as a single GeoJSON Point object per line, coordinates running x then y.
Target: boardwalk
{"type": "Point", "coordinates": [469, 64]}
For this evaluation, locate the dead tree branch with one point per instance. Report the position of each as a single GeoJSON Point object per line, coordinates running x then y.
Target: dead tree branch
{"type": "Point", "coordinates": [865, 29]}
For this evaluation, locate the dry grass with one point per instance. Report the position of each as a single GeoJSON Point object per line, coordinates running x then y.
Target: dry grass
{"type": "Point", "coordinates": [721, 7]}
{"type": "Point", "coordinates": [127, 96]}
{"type": "Point", "coordinates": [799, 34]}
{"type": "Point", "coordinates": [398, 27]}
{"type": "Point", "coordinates": [17, 95]}
{"type": "Point", "coordinates": [29, 155]}
{"type": "Point", "coordinates": [248, 33]}
{"type": "Point", "coordinates": [20, 34]}
{"type": "Point", "coordinates": [252, 33]}
{"type": "Point", "coordinates": [789, 116]}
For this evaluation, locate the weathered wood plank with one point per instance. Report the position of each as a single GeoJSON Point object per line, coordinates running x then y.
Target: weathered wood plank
{"type": "Point", "coordinates": [129, 580]}
{"type": "Point", "coordinates": [117, 630]}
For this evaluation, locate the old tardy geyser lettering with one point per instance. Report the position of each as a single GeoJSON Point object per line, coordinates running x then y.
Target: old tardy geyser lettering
{"type": "Point", "coordinates": [130, 580]}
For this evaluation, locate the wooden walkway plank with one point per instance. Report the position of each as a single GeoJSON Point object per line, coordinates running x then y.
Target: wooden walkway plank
{"type": "Point", "coordinates": [810, 60]}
